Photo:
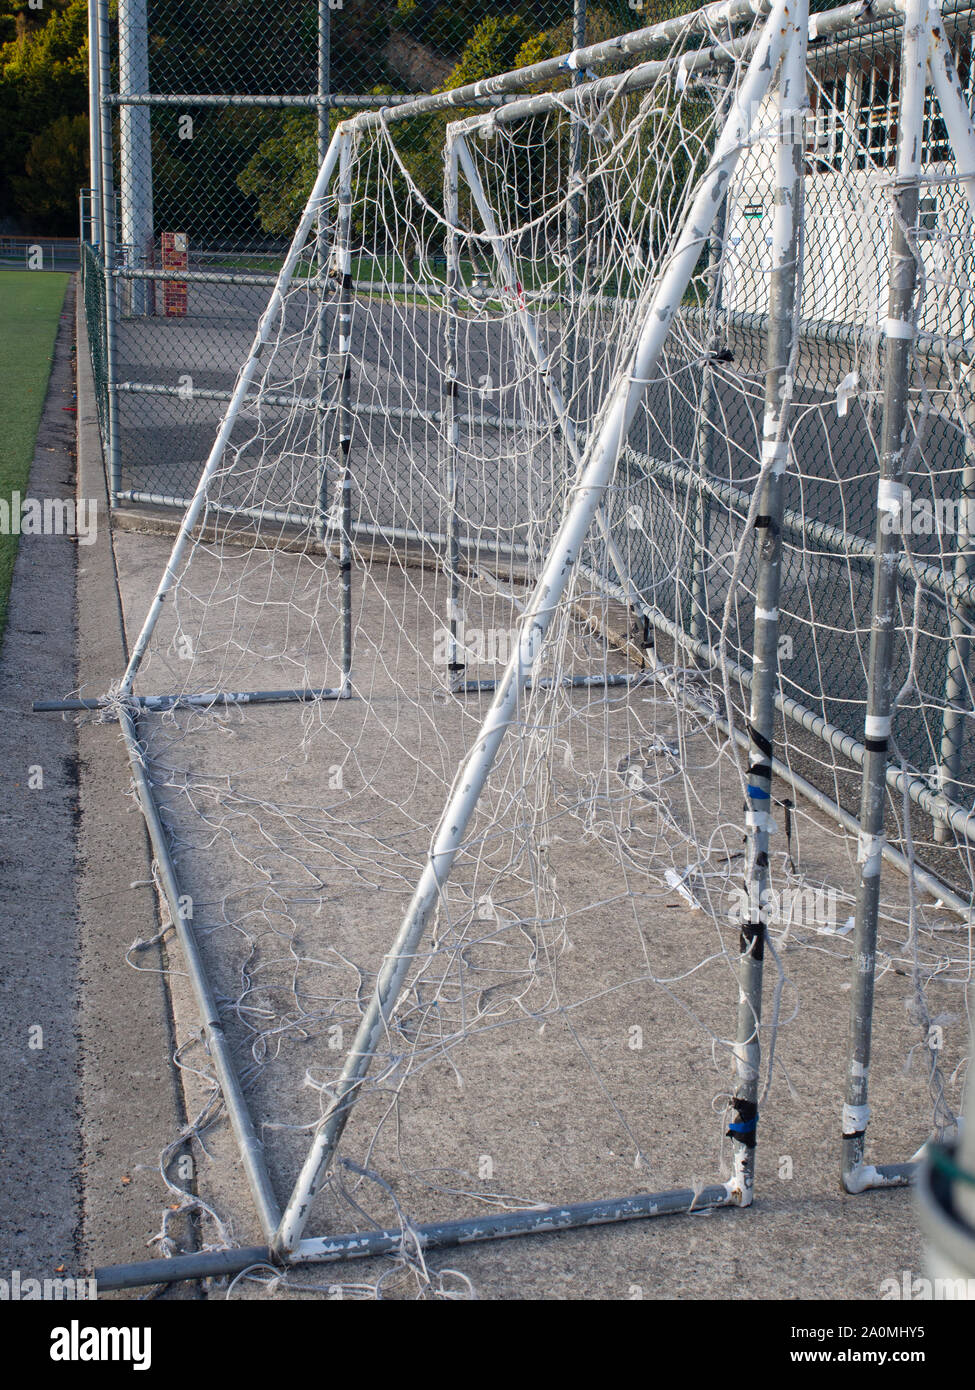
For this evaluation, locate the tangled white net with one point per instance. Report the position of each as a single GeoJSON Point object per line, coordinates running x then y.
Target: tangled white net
{"type": "Point", "coordinates": [569, 1017]}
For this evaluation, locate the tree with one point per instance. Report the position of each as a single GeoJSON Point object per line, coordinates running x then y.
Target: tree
{"type": "Point", "coordinates": [279, 175]}
{"type": "Point", "coordinates": [43, 76]}
{"type": "Point", "coordinates": [57, 166]}
{"type": "Point", "coordinates": [21, 17]}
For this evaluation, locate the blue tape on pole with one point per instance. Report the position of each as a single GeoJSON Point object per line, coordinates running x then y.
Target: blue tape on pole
{"type": "Point", "coordinates": [743, 1126]}
{"type": "Point", "coordinates": [758, 794]}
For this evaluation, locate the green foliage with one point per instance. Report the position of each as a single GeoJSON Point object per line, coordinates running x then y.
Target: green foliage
{"type": "Point", "coordinates": [57, 166]}
{"type": "Point", "coordinates": [263, 45]}
{"type": "Point", "coordinates": [43, 77]}
{"type": "Point", "coordinates": [280, 173]}
{"type": "Point", "coordinates": [196, 181]}
{"type": "Point", "coordinates": [601, 23]}
{"type": "Point", "coordinates": [18, 18]}
{"type": "Point", "coordinates": [492, 48]}
{"type": "Point", "coordinates": [233, 46]}
{"type": "Point", "coordinates": [246, 172]}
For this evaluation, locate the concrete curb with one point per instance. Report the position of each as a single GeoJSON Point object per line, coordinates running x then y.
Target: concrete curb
{"type": "Point", "coordinates": [39, 1142]}
{"type": "Point", "coordinates": [131, 1097]}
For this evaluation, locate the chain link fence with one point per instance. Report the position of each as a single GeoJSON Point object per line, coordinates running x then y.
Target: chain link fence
{"type": "Point", "coordinates": [688, 484]}
{"type": "Point", "coordinates": [237, 106]}
{"type": "Point", "coordinates": [212, 127]}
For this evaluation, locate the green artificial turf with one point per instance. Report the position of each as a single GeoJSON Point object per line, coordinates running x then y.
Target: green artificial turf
{"type": "Point", "coordinates": [30, 305]}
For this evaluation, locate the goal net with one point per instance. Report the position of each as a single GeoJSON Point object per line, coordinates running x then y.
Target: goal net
{"type": "Point", "coordinates": [462, 669]}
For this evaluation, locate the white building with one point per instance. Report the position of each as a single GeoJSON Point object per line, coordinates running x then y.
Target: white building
{"type": "Point", "coordinates": [852, 133]}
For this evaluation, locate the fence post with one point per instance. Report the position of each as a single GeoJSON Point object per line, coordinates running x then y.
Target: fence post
{"type": "Point", "coordinates": [321, 267]}
{"type": "Point", "coordinates": [135, 151]}
{"type": "Point", "coordinates": [344, 246]}
{"type": "Point", "coordinates": [574, 219]}
{"type": "Point", "coordinates": [108, 227]}
{"type": "Point", "coordinates": [958, 684]}
{"type": "Point", "coordinates": [783, 307]}
{"type": "Point", "coordinates": [704, 432]}
{"type": "Point", "coordinates": [452, 218]}
{"type": "Point", "coordinates": [895, 430]}
{"type": "Point", "coordinates": [324, 75]}
{"type": "Point", "coordinates": [94, 131]}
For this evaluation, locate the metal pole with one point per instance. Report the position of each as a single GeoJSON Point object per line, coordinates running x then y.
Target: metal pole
{"type": "Point", "coordinates": [324, 83]}
{"type": "Point", "coordinates": [276, 101]}
{"type": "Point", "coordinates": [958, 682]}
{"type": "Point", "coordinates": [704, 434]}
{"type": "Point", "coordinates": [439, 1235]}
{"type": "Point", "coordinates": [510, 282]}
{"type": "Point", "coordinates": [344, 248]}
{"type": "Point", "coordinates": [108, 229]}
{"type": "Point", "coordinates": [954, 107]}
{"type": "Point", "coordinates": [783, 294]}
{"type": "Point", "coordinates": [958, 686]}
{"type": "Point", "coordinates": [205, 700]}
{"type": "Point", "coordinates": [574, 247]}
{"type": "Point", "coordinates": [94, 129]}
{"type": "Point", "coordinates": [248, 371]}
{"type": "Point", "coordinates": [452, 217]}
{"type": "Point", "coordinates": [895, 432]}
{"type": "Point", "coordinates": [135, 149]}
{"type": "Point", "coordinates": [324, 75]}
{"type": "Point", "coordinates": [603, 451]}
{"type": "Point", "coordinates": [616, 51]}
{"type": "Point", "coordinates": [481, 546]}
{"type": "Point", "coordinates": [251, 1149]}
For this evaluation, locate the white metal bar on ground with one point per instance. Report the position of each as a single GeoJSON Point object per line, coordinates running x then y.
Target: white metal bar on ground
{"type": "Point", "coordinates": [602, 453]}
{"type": "Point", "coordinates": [217, 1044]}
{"type": "Point", "coordinates": [304, 520]}
{"type": "Point", "coordinates": [438, 1235]}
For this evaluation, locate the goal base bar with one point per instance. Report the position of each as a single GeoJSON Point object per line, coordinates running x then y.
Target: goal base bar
{"type": "Point", "coordinates": [152, 703]}
{"type": "Point", "coordinates": [868, 1177]}
{"type": "Point", "coordinates": [441, 1235]}
{"type": "Point", "coordinates": [547, 682]}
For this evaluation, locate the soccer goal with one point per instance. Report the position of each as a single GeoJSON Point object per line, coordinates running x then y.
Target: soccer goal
{"type": "Point", "coordinates": [491, 716]}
